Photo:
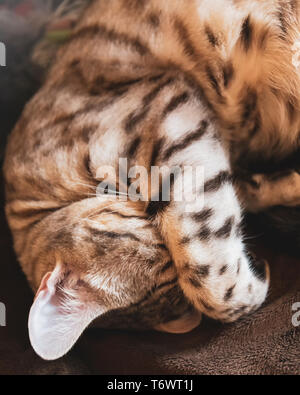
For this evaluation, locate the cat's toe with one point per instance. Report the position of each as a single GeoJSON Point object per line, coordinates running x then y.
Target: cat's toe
{"type": "Point", "coordinates": [250, 293]}
{"type": "Point", "coordinates": [249, 191]}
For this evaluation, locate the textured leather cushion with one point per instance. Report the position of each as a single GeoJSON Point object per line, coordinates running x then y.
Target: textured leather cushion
{"type": "Point", "coordinates": [265, 343]}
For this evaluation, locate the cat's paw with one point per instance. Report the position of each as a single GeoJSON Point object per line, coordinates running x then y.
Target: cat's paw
{"type": "Point", "coordinates": [248, 293]}
{"type": "Point", "coordinates": [230, 291]}
{"type": "Point", "coordinates": [261, 191]}
{"type": "Point", "coordinates": [250, 192]}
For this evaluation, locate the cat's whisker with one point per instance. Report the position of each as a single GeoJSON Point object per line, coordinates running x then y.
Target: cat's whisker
{"type": "Point", "coordinates": [91, 221]}
{"type": "Point", "coordinates": [84, 185]}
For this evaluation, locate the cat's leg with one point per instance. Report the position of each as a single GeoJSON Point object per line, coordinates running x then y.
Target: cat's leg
{"type": "Point", "coordinates": [263, 191]}
{"type": "Point", "coordinates": [205, 236]}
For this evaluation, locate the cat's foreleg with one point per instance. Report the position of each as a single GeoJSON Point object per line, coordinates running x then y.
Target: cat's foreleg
{"type": "Point", "coordinates": [205, 236]}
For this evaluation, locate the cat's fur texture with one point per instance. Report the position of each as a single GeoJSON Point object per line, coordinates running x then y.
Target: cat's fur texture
{"type": "Point", "coordinates": [161, 83]}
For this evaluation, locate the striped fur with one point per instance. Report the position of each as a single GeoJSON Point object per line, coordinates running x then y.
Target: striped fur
{"type": "Point", "coordinates": [178, 85]}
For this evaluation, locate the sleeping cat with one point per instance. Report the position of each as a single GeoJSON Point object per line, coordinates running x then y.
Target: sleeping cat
{"type": "Point", "coordinates": [173, 83]}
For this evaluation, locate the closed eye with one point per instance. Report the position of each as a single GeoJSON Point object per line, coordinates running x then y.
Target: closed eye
{"type": "Point", "coordinates": [110, 190]}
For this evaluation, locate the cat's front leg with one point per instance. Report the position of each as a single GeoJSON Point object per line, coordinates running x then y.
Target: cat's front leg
{"type": "Point", "coordinates": [204, 236]}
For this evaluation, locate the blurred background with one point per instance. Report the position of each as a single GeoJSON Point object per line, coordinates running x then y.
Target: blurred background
{"type": "Point", "coordinates": [31, 31]}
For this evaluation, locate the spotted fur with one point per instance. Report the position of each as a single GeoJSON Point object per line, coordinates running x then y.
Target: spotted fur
{"type": "Point", "coordinates": [175, 85]}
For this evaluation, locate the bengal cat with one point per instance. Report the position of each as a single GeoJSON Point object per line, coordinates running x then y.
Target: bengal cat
{"type": "Point", "coordinates": [173, 83]}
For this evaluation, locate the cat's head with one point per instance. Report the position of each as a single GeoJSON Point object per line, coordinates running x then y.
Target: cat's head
{"type": "Point", "coordinates": [65, 306]}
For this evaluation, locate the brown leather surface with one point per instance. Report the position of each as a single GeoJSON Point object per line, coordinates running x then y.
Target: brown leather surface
{"type": "Point", "coordinates": [265, 343]}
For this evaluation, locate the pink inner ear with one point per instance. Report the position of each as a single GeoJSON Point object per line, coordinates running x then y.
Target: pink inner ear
{"type": "Point", "coordinates": [44, 284]}
{"type": "Point", "coordinates": [56, 319]}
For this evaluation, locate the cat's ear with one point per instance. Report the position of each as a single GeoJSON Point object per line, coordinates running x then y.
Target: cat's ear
{"type": "Point", "coordinates": [60, 313]}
